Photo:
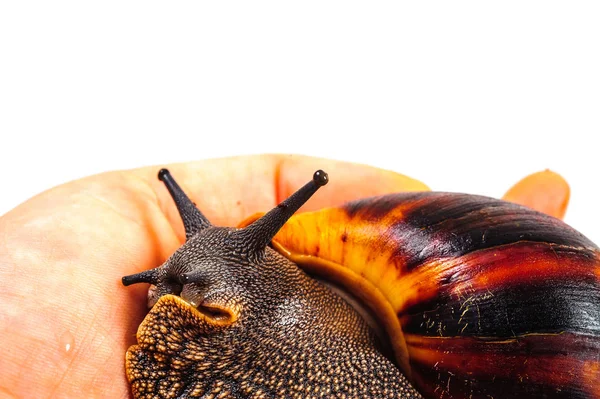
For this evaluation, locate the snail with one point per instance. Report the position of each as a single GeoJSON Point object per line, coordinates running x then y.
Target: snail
{"type": "Point", "coordinates": [407, 295]}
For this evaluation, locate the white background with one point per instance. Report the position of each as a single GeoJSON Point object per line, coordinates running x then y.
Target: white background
{"type": "Point", "coordinates": [466, 96]}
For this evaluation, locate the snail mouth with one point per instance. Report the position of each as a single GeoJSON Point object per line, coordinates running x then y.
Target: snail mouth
{"type": "Point", "coordinates": [169, 308]}
{"type": "Point", "coordinates": [170, 338]}
{"type": "Point", "coordinates": [212, 312]}
{"type": "Point", "coordinates": [169, 331]}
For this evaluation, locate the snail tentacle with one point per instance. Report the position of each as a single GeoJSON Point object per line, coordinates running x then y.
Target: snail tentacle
{"type": "Point", "coordinates": [193, 219]}
{"type": "Point", "coordinates": [260, 233]}
{"type": "Point", "coordinates": [147, 276]}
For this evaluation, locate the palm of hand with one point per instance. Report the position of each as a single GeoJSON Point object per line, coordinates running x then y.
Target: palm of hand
{"type": "Point", "coordinates": [66, 320]}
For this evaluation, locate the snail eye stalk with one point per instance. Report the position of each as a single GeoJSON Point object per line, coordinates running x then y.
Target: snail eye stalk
{"type": "Point", "coordinates": [193, 219]}
{"type": "Point", "coordinates": [260, 233]}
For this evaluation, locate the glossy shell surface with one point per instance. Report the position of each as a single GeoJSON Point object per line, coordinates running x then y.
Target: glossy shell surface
{"type": "Point", "coordinates": [480, 297]}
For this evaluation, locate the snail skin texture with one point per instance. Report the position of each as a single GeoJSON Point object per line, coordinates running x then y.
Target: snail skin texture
{"type": "Point", "coordinates": [476, 298]}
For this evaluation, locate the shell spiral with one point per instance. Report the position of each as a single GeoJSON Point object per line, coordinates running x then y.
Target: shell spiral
{"type": "Point", "coordinates": [480, 297]}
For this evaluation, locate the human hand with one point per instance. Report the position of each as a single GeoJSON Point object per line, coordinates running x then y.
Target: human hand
{"type": "Point", "coordinates": [65, 319]}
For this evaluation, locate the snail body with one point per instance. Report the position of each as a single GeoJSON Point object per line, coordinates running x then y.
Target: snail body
{"type": "Point", "coordinates": [476, 297]}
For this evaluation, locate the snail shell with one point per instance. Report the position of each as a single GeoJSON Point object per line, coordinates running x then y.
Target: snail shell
{"type": "Point", "coordinates": [479, 297]}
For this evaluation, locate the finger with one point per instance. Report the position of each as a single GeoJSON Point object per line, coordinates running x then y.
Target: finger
{"type": "Point", "coordinates": [228, 190]}
{"type": "Point", "coordinates": [544, 191]}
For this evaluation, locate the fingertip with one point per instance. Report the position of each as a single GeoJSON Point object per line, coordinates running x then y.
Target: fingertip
{"type": "Point", "coordinates": [544, 191]}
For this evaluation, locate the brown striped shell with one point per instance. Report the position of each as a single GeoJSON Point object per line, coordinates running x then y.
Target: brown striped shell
{"type": "Point", "coordinates": [481, 298]}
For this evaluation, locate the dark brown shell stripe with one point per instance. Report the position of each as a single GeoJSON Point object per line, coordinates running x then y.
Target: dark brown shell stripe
{"type": "Point", "coordinates": [548, 366]}
{"type": "Point", "coordinates": [493, 299]}
{"type": "Point", "coordinates": [499, 273]}
{"type": "Point", "coordinates": [508, 291]}
{"type": "Point", "coordinates": [442, 225]}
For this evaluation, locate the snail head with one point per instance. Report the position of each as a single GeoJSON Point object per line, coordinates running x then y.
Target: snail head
{"type": "Point", "coordinates": [231, 316]}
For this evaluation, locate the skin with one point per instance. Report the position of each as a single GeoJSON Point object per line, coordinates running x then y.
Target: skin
{"type": "Point", "coordinates": [65, 319]}
{"type": "Point", "coordinates": [544, 191]}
